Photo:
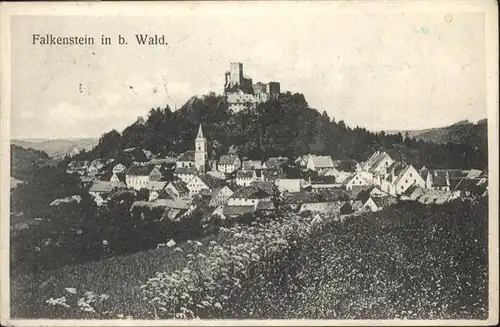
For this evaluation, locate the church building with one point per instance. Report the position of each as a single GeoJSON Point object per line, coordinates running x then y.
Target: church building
{"type": "Point", "coordinates": [194, 159]}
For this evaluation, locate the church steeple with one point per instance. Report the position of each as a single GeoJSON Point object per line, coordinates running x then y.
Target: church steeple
{"type": "Point", "coordinates": [200, 147]}
{"type": "Point", "coordinates": [200, 133]}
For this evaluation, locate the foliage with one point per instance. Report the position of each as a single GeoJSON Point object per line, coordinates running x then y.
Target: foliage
{"type": "Point", "coordinates": [286, 127]}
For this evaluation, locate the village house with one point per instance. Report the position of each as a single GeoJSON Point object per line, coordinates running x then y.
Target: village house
{"type": "Point", "coordinates": [251, 165]}
{"type": "Point", "coordinates": [358, 178]}
{"type": "Point", "coordinates": [220, 196]}
{"type": "Point", "coordinates": [319, 163]}
{"type": "Point", "coordinates": [185, 160]}
{"type": "Point", "coordinates": [275, 163]}
{"type": "Point", "coordinates": [139, 175]}
{"type": "Point", "coordinates": [248, 195]}
{"type": "Point", "coordinates": [199, 183]}
{"type": "Point", "coordinates": [119, 168]}
{"type": "Point", "coordinates": [289, 185]}
{"type": "Point", "coordinates": [228, 163]}
{"type": "Point", "coordinates": [155, 188]}
{"type": "Point", "coordinates": [100, 191]}
{"type": "Point", "coordinates": [118, 177]}
{"type": "Point", "coordinates": [78, 167]}
{"type": "Point", "coordinates": [377, 203]}
{"type": "Point", "coordinates": [230, 211]}
{"type": "Point", "coordinates": [178, 188]}
{"type": "Point", "coordinates": [402, 179]}
{"type": "Point", "coordinates": [302, 160]}
{"type": "Point", "coordinates": [247, 177]}
{"type": "Point", "coordinates": [377, 163]}
{"type": "Point", "coordinates": [185, 174]}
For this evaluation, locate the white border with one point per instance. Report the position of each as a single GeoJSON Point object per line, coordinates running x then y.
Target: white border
{"type": "Point", "coordinates": [140, 9]}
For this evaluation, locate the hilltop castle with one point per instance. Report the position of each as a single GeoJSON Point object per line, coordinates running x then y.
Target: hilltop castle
{"type": "Point", "coordinates": [242, 94]}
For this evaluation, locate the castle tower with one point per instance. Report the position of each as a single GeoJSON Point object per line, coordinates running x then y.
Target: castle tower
{"type": "Point", "coordinates": [200, 147]}
{"type": "Point", "coordinates": [236, 74]}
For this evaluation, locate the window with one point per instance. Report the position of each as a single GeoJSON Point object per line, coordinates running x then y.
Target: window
{"type": "Point", "coordinates": [414, 181]}
{"type": "Point", "coordinates": [410, 175]}
{"type": "Point", "coordinates": [406, 181]}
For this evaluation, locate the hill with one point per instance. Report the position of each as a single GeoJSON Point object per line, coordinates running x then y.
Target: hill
{"type": "Point", "coordinates": [286, 127]}
{"type": "Point", "coordinates": [455, 133]}
{"type": "Point", "coordinates": [22, 161]}
{"type": "Point", "coordinates": [57, 148]}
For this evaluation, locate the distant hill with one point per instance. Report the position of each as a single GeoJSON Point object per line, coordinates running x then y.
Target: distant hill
{"type": "Point", "coordinates": [456, 133]}
{"type": "Point", "coordinates": [57, 148]}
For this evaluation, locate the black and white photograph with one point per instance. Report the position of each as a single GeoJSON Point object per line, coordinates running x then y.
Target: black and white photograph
{"type": "Point", "coordinates": [249, 162]}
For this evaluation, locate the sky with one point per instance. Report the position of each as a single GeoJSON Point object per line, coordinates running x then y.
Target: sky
{"type": "Point", "coordinates": [381, 71]}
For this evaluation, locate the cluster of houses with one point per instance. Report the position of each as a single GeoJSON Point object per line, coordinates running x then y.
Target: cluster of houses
{"type": "Point", "coordinates": [233, 186]}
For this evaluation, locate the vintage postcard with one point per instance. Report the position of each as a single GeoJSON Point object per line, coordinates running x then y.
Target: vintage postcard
{"type": "Point", "coordinates": [249, 163]}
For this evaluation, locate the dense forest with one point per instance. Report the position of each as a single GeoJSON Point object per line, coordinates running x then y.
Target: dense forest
{"type": "Point", "coordinates": [286, 127]}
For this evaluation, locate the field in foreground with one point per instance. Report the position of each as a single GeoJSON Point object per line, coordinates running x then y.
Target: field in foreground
{"type": "Point", "coordinates": [410, 261]}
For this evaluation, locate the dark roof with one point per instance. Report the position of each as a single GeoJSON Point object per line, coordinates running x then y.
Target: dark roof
{"type": "Point", "coordinates": [210, 181]}
{"type": "Point", "coordinates": [244, 174]}
{"type": "Point", "coordinates": [186, 156]}
{"type": "Point", "coordinates": [237, 210]}
{"type": "Point", "coordinates": [265, 205]}
{"type": "Point", "coordinates": [180, 186]}
{"type": "Point", "coordinates": [268, 187]}
{"type": "Point", "coordinates": [439, 180]}
{"type": "Point", "coordinates": [250, 192]}
{"type": "Point", "coordinates": [383, 201]}
{"type": "Point", "coordinates": [140, 170]}
{"type": "Point", "coordinates": [186, 170]}
{"type": "Point", "coordinates": [227, 159]}
{"type": "Point", "coordinates": [275, 162]}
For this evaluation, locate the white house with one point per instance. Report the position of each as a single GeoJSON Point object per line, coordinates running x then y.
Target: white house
{"type": "Point", "coordinates": [186, 159]}
{"type": "Point", "coordinates": [119, 168]}
{"type": "Point", "coordinates": [220, 196]}
{"type": "Point", "coordinates": [199, 183]}
{"type": "Point", "coordinates": [407, 177]}
{"type": "Point", "coordinates": [377, 203]}
{"type": "Point", "coordinates": [228, 163]}
{"type": "Point", "coordinates": [138, 176]}
{"type": "Point", "coordinates": [378, 163]}
{"type": "Point", "coordinates": [248, 195]}
{"type": "Point", "coordinates": [289, 185]}
{"type": "Point", "coordinates": [185, 174]}
{"type": "Point", "coordinates": [358, 178]}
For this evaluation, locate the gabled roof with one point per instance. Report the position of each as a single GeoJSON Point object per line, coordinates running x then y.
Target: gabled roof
{"type": "Point", "coordinates": [474, 173]}
{"type": "Point", "coordinates": [120, 176]}
{"type": "Point", "coordinates": [250, 192]}
{"type": "Point", "coordinates": [383, 201]}
{"type": "Point", "coordinates": [266, 186]}
{"type": "Point", "coordinates": [140, 170]}
{"type": "Point", "coordinates": [210, 181]}
{"type": "Point", "coordinates": [228, 159]}
{"type": "Point", "coordinates": [401, 173]}
{"type": "Point", "coordinates": [187, 156]}
{"type": "Point", "coordinates": [322, 161]}
{"type": "Point", "coordinates": [180, 186]}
